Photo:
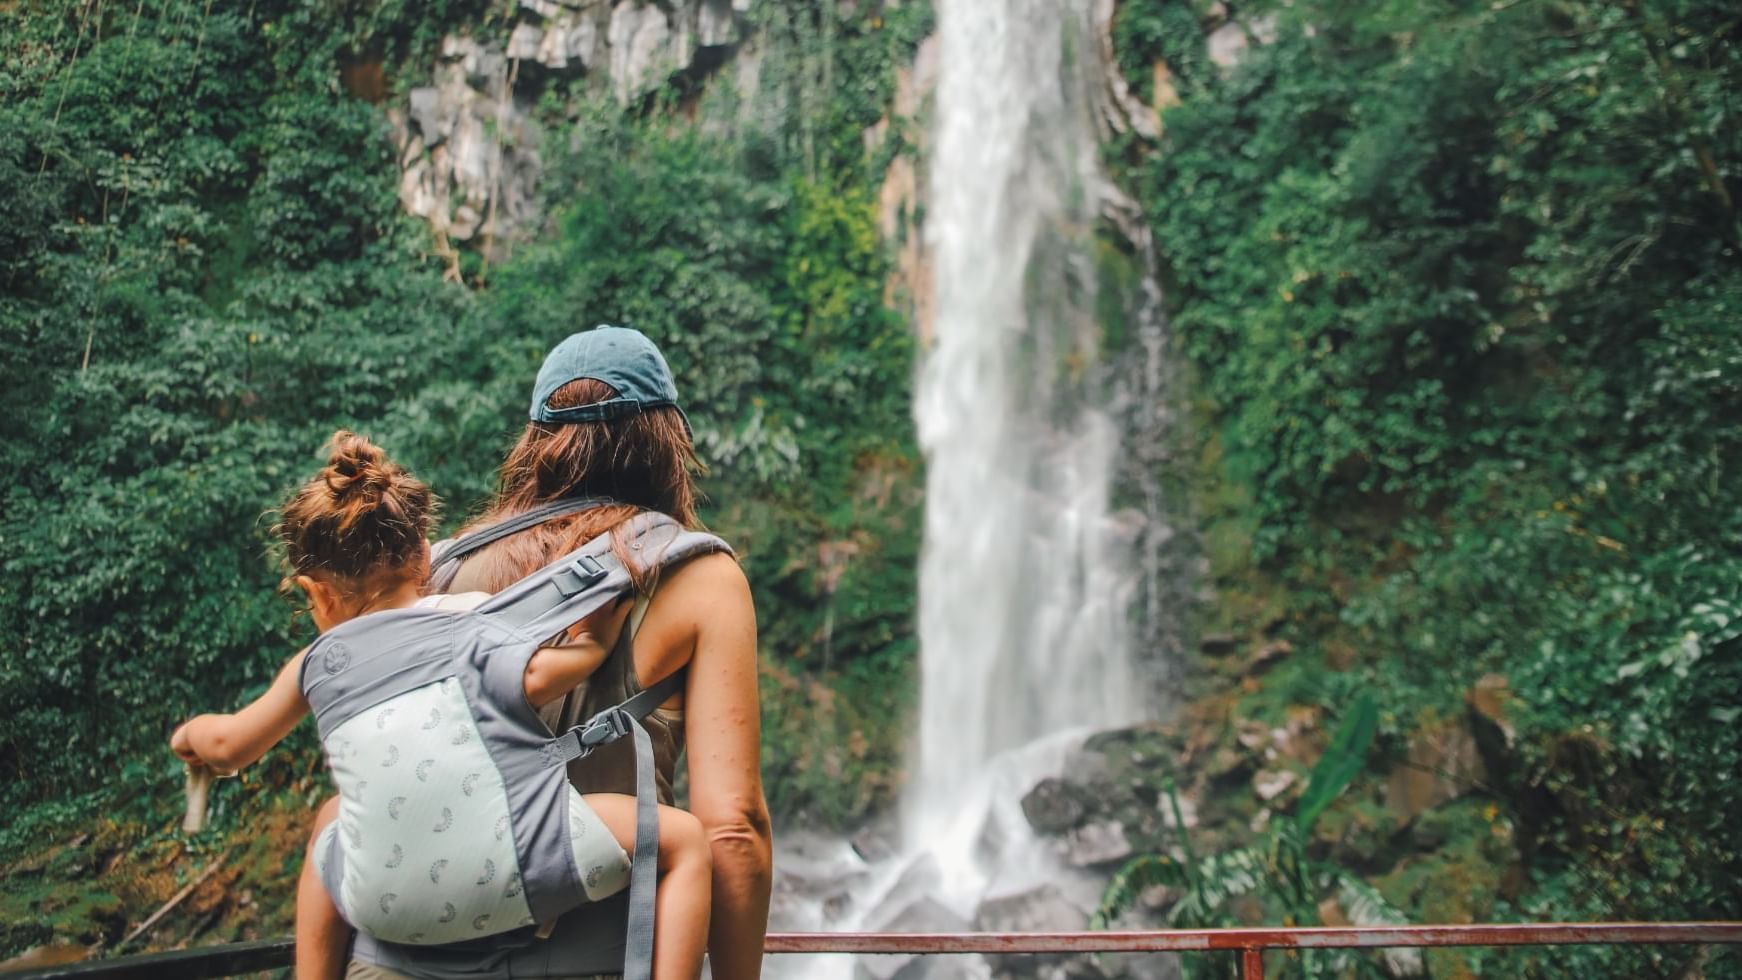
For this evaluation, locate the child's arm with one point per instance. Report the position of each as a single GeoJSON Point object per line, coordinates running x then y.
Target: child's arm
{"type": "Point", "coordinates": [555, 670]}
{"type": "Point", "coordinates": [226, 743]}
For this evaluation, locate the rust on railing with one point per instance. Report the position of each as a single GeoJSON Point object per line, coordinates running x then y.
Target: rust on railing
{"type": "Point", "coordinates": [222, 961]}
{"type": "Point", "coordinates": [1199, 940]}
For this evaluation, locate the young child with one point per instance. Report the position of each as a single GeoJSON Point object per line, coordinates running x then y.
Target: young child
{"type": "Point", "coordinates": [355, 539]}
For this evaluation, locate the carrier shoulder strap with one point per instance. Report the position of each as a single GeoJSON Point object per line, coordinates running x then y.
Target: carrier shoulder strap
{"type": "Point", "coordinates": [446, 557]}
{"type": "Point", "coordinates": [578, 584]}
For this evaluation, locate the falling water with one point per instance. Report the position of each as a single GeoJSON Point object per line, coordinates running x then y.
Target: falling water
{"type": "Point", "coordinates": [1029, 575]}
{"type": "Point", "coordinates": [1026, 577]}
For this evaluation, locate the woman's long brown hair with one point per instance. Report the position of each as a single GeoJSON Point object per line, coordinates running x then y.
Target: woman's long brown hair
{"type": "Point", "coordinates": [643, 462]}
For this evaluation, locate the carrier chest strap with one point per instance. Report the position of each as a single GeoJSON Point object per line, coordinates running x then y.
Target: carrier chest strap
{"type": "Point", "coordinates": [452, 553]}
{"type": "Point", "coordinates": [611, 724]}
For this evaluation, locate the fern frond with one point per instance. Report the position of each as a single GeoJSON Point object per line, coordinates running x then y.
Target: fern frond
{"type": "Point", "coordinates": [1130, 881]}
{"type": "Point", "coordinates": [1363, 905]}
{"type": "Point", "coordinates": [1342, 762]}
{"type": "Point", "coordinates": [1221, 879]}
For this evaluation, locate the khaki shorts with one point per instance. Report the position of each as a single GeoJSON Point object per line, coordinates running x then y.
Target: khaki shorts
{"type": "Point", "coordinates": [359, 970]}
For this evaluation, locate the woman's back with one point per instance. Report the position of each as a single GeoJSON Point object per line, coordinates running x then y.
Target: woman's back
{"type": "Point", "coordinates": [605, 427]}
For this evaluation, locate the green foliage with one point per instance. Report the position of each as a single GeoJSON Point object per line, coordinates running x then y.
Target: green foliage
{"type": "Point", "coordinates": [1165, 32]}
{"type": "Point", "coordinates": [1343, 760]}
{"type": "Point", "coordinates": [1461, 283]}
{"type": "Point", "coordinates": [1279, 865]}
{"type": "Point", "coordinates": [204, 271]}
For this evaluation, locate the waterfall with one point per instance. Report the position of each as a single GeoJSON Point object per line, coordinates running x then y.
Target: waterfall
{"type": "Point", "coordinates": [1026, 577]}
{"type": "Point", "coordinates": [1029, 576]}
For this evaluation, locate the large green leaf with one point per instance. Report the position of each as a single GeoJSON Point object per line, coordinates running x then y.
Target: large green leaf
{"type": "Point", "coordinates": [1342, 761]}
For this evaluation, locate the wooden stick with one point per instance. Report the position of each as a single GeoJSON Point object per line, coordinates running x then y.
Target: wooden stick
{"type": "Point", "coordinates": [188, 889]}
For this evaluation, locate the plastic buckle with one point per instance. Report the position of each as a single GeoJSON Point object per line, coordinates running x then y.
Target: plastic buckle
{"type": "Point", "coordinates": [607, 727]}
{"type": "Point", "coordinates": [589, 570]}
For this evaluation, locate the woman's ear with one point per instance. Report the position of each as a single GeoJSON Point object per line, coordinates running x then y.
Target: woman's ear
{"type": "Point", "coordinates": [326, 603]}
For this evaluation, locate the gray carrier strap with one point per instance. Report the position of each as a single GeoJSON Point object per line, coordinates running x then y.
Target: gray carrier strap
{"type": "Point", "coordinates": [611, 724]}
{"type": "Point", "coordinates": [573, 587]}
{"type": "Point", "coordinates": [447, 556]}
{"type": "Point", "coordinates": [605, 727]}
{"type": "Point", "coordinates": [644, 868]}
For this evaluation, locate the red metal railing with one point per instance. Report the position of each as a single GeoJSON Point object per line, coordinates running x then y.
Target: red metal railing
{"type": "Point", "coordinates": [1252, 943]}
{"type": "Point", "coordinates": [220, 961]}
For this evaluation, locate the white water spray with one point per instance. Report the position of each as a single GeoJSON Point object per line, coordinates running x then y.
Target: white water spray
{"type": "Point", "coordinates": [1028, 576]}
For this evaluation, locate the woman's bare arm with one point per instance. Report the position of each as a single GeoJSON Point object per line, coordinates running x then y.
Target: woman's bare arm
{"type": "Point", "coordinates": [724, 729]}
{"type": "Point", "coordinates": [226, 743]}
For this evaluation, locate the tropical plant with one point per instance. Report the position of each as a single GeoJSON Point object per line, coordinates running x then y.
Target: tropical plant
{"type": "Point", "coordinates": [1278, 865]}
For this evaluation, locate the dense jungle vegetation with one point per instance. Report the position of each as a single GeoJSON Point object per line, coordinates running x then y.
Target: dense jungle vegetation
{"type": "Point", "coordinates": [1458, 288]}
{"type": "Point", "coordinates": [1460, 285]}
{"type": "Point", "coordinates": [204, 269]}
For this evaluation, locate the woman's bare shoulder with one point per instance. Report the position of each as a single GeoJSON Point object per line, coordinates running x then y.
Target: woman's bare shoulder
{"type": "Point", "coordinates": [715, 568]}
{"type": "Point", "coordinates": [700, 591]}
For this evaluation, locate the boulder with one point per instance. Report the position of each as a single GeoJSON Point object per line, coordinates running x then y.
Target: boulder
{"type": "Point", "coordinates": [941, 968]}
{"type": "Point", "coordinates": [873, 845]}
{"type": "Point", "coordinates": [1095, 844]}
{"type": "Point", "coordinates": [1054, 806]}
{"type": "Point", "coordinates": [1443, 764]}
{"type": "Point", "coordinates": [1042, 909]}
{"type": "Point", "coordinates": [922, 915]}
{"type": "Point", "coordinates": [1218, 644]}
{"type": "Point", "coordinates": [1142, 966]}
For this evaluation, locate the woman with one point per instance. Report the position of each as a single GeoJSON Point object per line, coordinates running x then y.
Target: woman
{"type": "Point", "coordinates": [605, 426]}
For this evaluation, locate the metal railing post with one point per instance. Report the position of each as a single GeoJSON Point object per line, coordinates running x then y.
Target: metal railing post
{"type": "Point", "coordinates": [1251, 963]}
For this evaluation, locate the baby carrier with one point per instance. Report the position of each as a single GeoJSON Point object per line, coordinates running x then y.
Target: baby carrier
{"type": "Point", "coordinates": [456, 818]}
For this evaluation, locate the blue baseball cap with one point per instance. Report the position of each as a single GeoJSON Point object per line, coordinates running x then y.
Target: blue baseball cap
{"type": "Point", "coordinates": [618, 356]}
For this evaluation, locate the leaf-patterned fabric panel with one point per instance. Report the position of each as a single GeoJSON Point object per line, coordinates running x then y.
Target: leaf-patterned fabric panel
{"type": "Point", "coordinates": [602, 862]}
{"type": "Point", "coordinates": [423, 821]}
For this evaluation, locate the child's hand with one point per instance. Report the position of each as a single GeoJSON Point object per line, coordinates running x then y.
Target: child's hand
{"type": "Point", "coordinates": [195, 731]}
{"type": "Point", "coordinates": [555, 670]}
{"type": "Point", "coordinates": [181, 742]}
{"type": "Point", "coordinates": [603, 626]}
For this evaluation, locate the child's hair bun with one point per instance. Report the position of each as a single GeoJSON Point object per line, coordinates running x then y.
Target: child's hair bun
{"type": "Point", "coordinates": [357, 468]}
{"type": "Point", "coordinates": [361, 513]}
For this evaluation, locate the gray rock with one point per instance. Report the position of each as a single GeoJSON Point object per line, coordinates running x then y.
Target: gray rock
{"type": "Point", "coordinates": [1042, 909]}
{"type": "Point", "coordinates": [940, 968]}
{"type": "Point", "coordinates": [716, 23]}
{"type": "Point", "coordinates": [873, 845]}
{"type": "Point", "coordinates": [1142, 966]}
{"type": "Point", "coordinates": [644, 49]}
{"type": "Point", "coordinates": [426, 114]}
{"type": "Point", "coordinates": [467, 142]}
{"type": "Point", "coordinates": [1097, 844]}
{"type": "Point", "coordinates": [1053, 806]}
{"type": "Point", "coordinates": [525, 42]}
{"type": "Point", "coordinates": [1217, 644]}
{"type": "Point", "coordinates": [923, 915]}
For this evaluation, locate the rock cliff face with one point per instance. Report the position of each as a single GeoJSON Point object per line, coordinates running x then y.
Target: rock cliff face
{"type": "Point", "coordinates": [468, 142]}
